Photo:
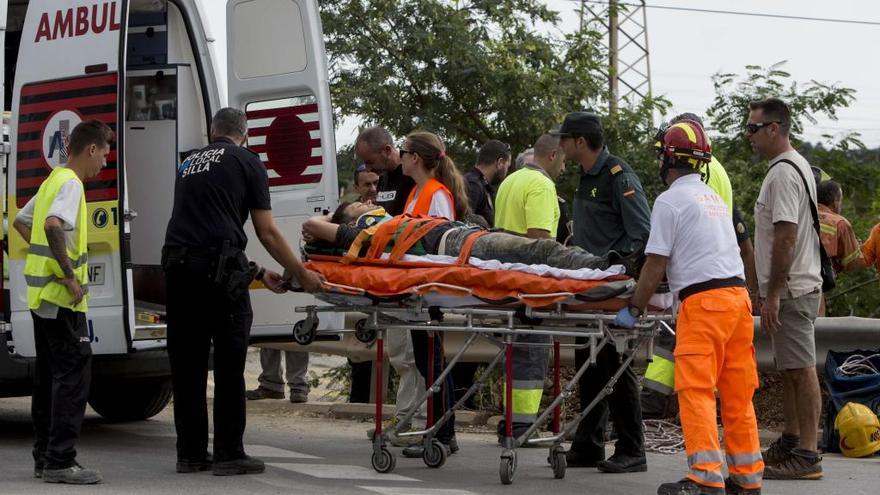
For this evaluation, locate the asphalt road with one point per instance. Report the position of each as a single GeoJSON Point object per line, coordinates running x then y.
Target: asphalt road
{"type": "Point", "coordinates": [316, 455]}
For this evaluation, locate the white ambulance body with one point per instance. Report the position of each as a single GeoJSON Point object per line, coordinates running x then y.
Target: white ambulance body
{"type": "Point", "coordinates": [146, 68]}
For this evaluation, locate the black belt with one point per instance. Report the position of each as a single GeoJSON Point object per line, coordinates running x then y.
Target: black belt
{"type": "Point", "coordinates": [715, 283]}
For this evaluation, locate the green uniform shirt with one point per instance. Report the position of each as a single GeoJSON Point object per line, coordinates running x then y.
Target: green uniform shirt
{"type": "Point", "coordinates": [527, 200]}
{"type": "Point", "coordinates": [610, 208]}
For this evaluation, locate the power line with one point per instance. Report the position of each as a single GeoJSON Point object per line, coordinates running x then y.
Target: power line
{"type": "Point", "coordinates": [750, 14]}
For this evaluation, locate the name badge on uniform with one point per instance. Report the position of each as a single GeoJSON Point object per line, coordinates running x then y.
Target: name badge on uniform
{"type": "Point", "coordinates": [384, 196]}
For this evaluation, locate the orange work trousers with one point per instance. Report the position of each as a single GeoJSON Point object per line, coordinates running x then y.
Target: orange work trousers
{"type": "Point", "coordinates": [714, 351]}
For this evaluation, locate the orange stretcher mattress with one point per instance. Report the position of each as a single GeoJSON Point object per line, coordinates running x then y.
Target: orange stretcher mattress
{"type": "Point", "coordinates": [502, 286]}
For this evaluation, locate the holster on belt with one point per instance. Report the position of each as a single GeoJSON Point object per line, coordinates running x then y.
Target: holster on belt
{"type": "Point", "coordinates": [227, 265]}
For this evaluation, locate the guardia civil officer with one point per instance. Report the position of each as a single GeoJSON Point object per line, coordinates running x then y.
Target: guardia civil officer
{"type": "Point", "coordinates": [207, 277]}
{"type": "Point", "coordinates": [611, 213]}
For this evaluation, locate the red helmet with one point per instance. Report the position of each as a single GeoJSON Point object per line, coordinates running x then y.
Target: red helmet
{"type": "Point", "coordinates": [685, 143]}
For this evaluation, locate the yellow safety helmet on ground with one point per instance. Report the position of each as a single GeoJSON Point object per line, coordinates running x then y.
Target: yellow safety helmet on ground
{"type": "Point", "coordinates": [859, 430]}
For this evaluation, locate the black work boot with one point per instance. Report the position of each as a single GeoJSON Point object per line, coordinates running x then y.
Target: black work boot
{"type": "Point", "coordinates": [575, 459]}
{"type": "Point", "coordinates": [688, 487]}
{"type": "Point", "coordinates": [185, 465]}
{"type": "Point", "coordinates": [73, 475]}
{"type": "Point", "coordinates": [620, 463]}
{"type": "Point", "coordinates": [261, 393]}
{"type": "Point", "coordinates": [733, 488]}
{"type": "Point", "coordinates": [243, 465]}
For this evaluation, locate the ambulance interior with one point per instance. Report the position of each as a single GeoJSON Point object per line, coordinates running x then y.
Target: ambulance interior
{"type": "Point", "coordinates": [165, 117]}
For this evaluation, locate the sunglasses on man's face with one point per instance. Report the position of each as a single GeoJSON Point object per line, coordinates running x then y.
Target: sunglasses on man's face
{"type": "Point", "coordinates": [757, 126]}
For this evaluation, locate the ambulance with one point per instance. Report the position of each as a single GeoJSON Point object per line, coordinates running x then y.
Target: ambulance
{"type": "Point", "coordinates": [151, 70]}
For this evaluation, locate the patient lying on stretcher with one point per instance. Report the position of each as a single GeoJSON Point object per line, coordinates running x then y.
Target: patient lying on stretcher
{"type": "Point", "coordinates": [355, 227]}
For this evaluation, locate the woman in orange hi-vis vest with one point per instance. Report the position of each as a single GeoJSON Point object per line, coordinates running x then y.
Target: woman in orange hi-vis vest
{"type": "Point", "coordinates": [440, 190]}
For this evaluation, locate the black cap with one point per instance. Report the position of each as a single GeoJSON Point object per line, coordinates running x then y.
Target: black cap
{"type": "Point", "coordinates": [578, 124]}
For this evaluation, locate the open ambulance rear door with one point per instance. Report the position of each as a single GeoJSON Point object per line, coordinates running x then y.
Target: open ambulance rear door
{"type": "Point", "coordinates": [69, 70]}
{"type": "Point", "coordinates": [277, 73]}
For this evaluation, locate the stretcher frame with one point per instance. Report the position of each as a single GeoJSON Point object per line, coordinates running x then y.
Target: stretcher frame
{"type": "Point", "coordinates": [500, 325]}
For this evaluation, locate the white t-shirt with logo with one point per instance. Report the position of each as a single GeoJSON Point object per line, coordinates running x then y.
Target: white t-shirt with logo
{"type": "Point", "coordinates": [65, 207]}
{"type": "Point", "coordinates": [691, 226]}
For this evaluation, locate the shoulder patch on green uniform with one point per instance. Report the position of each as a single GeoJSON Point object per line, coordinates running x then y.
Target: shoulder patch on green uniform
{"type": "Point", "coordinates": [616, 169]}
{"type": "Point", "coordinates": [629, 192]}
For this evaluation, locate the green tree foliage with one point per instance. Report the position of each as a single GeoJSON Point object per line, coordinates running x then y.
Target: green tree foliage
{"type": "Point", "coordinates": [467, 70]}
{"type": "Point", "coordinates": [843, 157]}
{"type": "Point", "coordinates": [470, 71]}
{"type": "Point", "coordinates": [729, 113]}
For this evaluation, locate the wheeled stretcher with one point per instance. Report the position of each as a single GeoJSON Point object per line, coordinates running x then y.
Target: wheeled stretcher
{"type": "Point", "coordinates": [497, 305]}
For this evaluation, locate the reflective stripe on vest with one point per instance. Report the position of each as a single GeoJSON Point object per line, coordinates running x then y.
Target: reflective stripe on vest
{"type": "Point", "coordinates": [42, 272]}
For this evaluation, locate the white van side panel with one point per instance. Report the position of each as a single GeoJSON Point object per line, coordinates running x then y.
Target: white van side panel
{"type": "Point", "coordinates": [277, 72]}
{"type": "Point", "coordinates": [53, 92]}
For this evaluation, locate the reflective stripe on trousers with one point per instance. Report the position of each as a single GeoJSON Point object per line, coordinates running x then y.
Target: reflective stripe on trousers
{"type": "Point", "coordinates": [660, 375]}
{"type": "Point", "coordinates": [526, 399]}
{"type": "Point", "coordinates": [705, 468]}
{"type": "Point", "coordinates": [746, 470]}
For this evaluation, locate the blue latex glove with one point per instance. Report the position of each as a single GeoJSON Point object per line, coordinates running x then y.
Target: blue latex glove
{"type": "Point", "coordinates": [624, 319]}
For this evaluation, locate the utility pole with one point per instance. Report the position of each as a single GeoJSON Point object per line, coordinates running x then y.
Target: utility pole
{"type": "Point", "coordinates": [613, 28]}
{"type": "Point", "coordinates": [629, 65]}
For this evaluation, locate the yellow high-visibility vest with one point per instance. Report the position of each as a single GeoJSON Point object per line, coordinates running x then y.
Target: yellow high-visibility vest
{"type": "Point", "coordinates": [42, 272]}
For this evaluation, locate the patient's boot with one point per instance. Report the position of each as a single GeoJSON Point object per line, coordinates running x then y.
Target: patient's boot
{"type": "Point", "coordinates": [632, 263]}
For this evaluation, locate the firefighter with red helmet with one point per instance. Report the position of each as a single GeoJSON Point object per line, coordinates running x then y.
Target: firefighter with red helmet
{"type": "Point", "coordinates": [692, 242]}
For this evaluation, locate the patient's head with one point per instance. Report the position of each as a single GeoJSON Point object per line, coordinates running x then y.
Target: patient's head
{"type": "Point", "coordinates": [347, 213]}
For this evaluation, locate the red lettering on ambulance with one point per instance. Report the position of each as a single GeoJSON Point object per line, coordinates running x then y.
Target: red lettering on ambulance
{"type": "Point", "coordinates": [99, 28]}
{"type": "Point", "coordinates": [69, 23]}
{"type": "Point", "coordinates": [43, 29]}
{"type": "Point", "coordinates": [63, 24]}
{"type": "Point", "coordinates": [114, 24]}
{"type": "Point", "coordinates": [82, 21]}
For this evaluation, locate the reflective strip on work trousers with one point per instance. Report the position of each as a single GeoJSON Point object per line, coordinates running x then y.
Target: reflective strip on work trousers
{"type": "Point", "coordinates": [743, 459]}
{"type": "Point", "coordinates": [660, 375]}
{"type": "Point", "coordinates": [705, 476]}
{"type": "Point", "coordinates": [526, 399]}
{"type": "Point", "coordinates": [737, 463]}
{"type": "Point", "coordinates": [750, 481]}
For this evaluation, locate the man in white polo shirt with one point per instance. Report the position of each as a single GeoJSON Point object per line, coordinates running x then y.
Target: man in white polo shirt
{"type": "Point", "coordinates": [692, 242]}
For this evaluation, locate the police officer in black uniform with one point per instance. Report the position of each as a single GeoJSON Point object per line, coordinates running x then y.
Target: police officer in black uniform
{"type": "Point", "coordinates": [611, 213]}
{"type": "Point", "coordinates": [207, 277]}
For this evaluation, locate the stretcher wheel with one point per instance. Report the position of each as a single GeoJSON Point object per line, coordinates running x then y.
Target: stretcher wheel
{"type": "Point", "coordinates": [435, 455]}
{"type": "Point", "coordinates": [558, 462]}
{"type": "Point", "coordinates": [362, 333]}
{"type": "Point", "coordinates": [507, 467]}
{"type": "Point", "coordinates": [305, 334]}
{"type": "Point", "coordinates": [383, 461]}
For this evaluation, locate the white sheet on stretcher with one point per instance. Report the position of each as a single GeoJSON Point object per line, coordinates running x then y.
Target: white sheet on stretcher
{"type": "Point", "coordinates": [542, 270]}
